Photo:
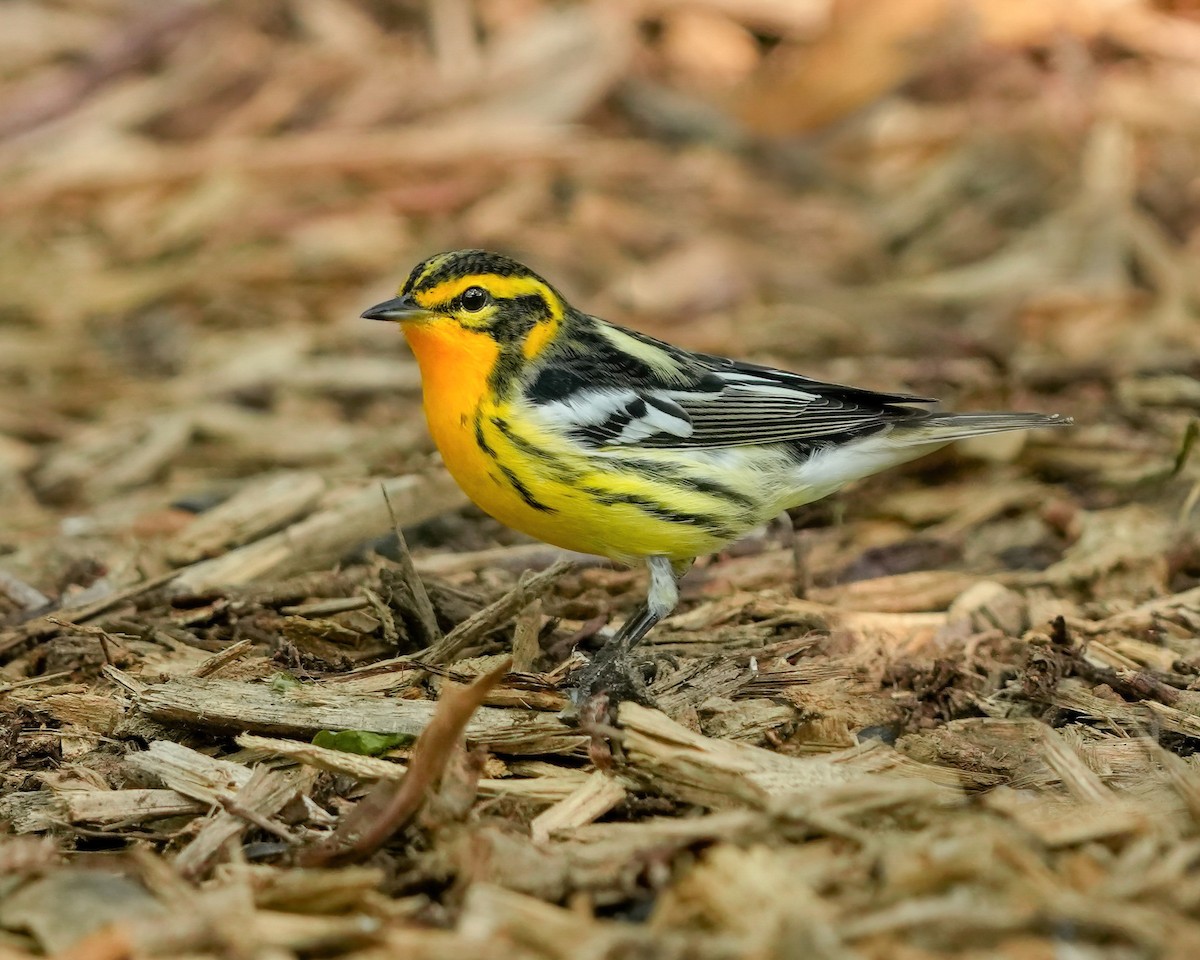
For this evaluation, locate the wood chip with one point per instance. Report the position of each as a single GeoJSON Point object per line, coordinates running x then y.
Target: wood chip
{"type": "Point", "coordinates": [721, 773]}
{"type": "Point", "coordinates": [234, 706]}
{"type": "Point", "coordinates": [259, 508]}
{"type": "Point", "coordinates": [350, 518]}
{"type": "Point", "coordinates": [594, 798]}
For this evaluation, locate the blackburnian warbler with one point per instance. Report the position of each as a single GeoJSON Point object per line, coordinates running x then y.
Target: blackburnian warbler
{"type": "Point", "coordinates": [606, 441]}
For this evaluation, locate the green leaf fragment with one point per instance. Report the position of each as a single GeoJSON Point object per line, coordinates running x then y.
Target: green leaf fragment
{"type": "Point", "coordinates": [282, 682]}
{"type": "Point", "coordinates": [363, 742]}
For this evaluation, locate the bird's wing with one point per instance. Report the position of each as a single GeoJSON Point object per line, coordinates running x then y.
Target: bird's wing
{"type": "Point", "coordinates": [704, 401]}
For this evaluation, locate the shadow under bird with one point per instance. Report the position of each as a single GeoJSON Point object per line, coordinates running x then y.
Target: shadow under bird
{"type": "Point", "coordinates": [602, 440]}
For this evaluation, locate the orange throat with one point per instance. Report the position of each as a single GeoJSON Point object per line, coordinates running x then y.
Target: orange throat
{"type": "Point", "coordinates": [455, 363]}
{"type": "Point", "coordinates": [455, 366]}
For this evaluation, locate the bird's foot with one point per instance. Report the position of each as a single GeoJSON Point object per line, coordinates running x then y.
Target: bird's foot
{"type": "Point", "coordinates": [613, 675]}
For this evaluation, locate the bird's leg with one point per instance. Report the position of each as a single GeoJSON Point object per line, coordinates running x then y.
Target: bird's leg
{"type": "Point", "coordinates": [610, 671]}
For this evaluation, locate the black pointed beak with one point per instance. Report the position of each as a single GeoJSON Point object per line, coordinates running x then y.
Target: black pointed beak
{"type": "Point", "coordinates": [396, 309]}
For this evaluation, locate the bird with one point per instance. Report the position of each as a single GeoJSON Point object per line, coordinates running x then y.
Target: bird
{"type": "Point", "coordinates": [603, 440]}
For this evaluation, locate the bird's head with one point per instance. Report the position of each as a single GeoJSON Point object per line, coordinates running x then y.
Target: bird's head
{"type": "Point", "coordinates": [474, 293]}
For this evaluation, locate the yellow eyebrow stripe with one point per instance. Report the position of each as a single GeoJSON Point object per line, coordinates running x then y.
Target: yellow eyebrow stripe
{"type": "Point", "coordinates": [501, 288]}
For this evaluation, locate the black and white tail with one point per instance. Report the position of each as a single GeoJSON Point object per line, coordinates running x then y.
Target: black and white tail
{"type": "Point", "coordinates": [831, 468]}
{"type": "Point", "coordinates": [948, 427]}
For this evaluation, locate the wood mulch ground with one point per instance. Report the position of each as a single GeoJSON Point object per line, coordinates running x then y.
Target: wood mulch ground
{"type": "Point", "coordinates": [269, 687]}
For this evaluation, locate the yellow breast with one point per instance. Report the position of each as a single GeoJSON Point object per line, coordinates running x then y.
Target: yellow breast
{"type": "Point", "coordinates": [527, 477]}
{"type": "Point", "coordinates": [455, 366]}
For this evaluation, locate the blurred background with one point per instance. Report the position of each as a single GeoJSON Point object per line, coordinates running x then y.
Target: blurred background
{"type": "Point", "coordinates": [991, 201]}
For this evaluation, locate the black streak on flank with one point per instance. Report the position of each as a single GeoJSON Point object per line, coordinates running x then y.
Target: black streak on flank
{"type": "Point", "coordinates": [480, 440]}
{"type": "Point", "coordinates": [681, 480]}
{"type": "Point", "coordinates": [524, 492]}
{"type": "Point", "coordinates": [711, 524]}
{"type": "Point", "coordinates": [545, 459]}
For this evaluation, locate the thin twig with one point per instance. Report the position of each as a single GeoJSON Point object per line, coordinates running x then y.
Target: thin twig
{"type": "Point", "coordinates": [421, 604]}
{"type": "Point", "coordinates": [480, 624]}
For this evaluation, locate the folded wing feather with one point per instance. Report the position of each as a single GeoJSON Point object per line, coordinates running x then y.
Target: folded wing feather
{"type": "Point", "coordinates": [721, 403]}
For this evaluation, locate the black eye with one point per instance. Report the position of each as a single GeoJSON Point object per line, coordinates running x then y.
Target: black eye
{"type": "Point", "coordinates": [474, 299]}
